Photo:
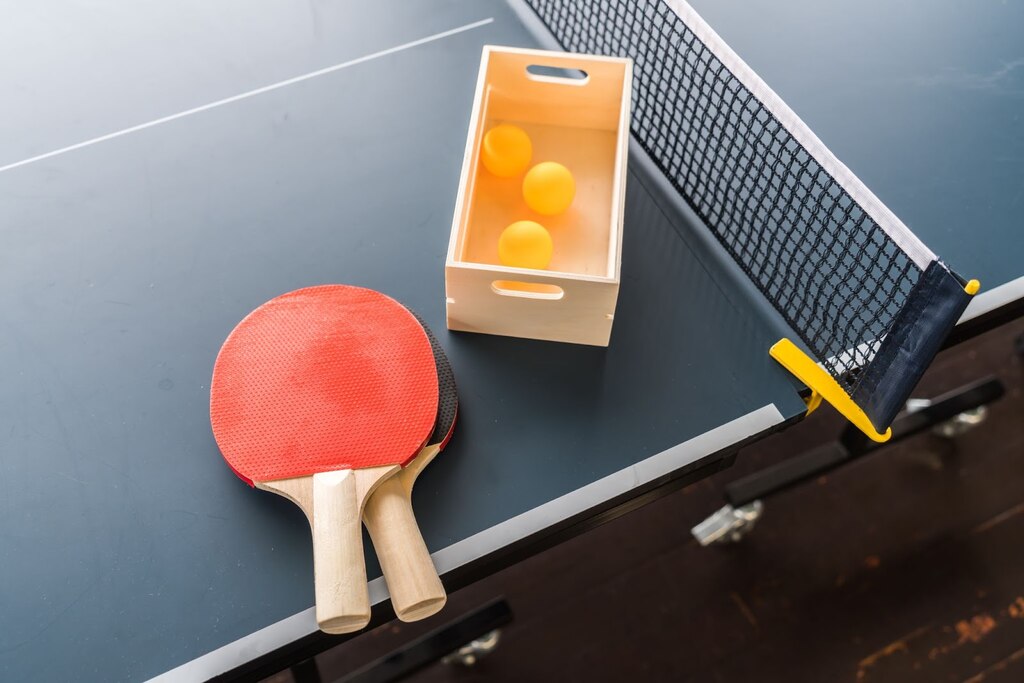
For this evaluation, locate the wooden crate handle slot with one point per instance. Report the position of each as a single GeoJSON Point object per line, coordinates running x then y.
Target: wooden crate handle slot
{"type": "Point", "coordinates": [528, 290]}
{"type": "Point", "coordinates": [559, 75]}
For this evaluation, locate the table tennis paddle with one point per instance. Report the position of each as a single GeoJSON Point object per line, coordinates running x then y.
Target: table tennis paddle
{"type": "Point", "coordinates": [416, 590]}
{"type": "Point", "coordinates": [319, 395]}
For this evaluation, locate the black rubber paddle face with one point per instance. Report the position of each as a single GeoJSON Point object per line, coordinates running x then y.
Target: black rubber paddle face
{"type": "Point", "coordinates": [447, 395]}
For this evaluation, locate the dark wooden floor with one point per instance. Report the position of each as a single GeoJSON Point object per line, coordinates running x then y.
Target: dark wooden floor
{"type": "Point", "coordinates": [906, 566]}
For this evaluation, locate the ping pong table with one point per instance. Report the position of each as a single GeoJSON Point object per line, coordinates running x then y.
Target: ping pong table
{"type": "Point", "coordinates": [166, 167]}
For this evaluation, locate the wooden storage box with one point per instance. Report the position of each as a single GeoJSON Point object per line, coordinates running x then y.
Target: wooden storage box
{"type": "Point", "coordinates": [582, 123]}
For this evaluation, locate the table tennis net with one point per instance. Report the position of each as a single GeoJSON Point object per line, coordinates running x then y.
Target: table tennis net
{"type": "Point", "coordinates": [869, 301]}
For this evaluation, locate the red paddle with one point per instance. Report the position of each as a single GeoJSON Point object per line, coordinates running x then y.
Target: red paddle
{"type": "Point", "coordinates": [319, 395]}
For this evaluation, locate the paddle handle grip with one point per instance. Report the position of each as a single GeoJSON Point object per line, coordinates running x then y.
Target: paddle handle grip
{"type": "Point", "coordinates": [342, 598]}
{"type": "Point", "coordinates": [416, 590]}
{"type": "Point", "coordinates": [339, 570]}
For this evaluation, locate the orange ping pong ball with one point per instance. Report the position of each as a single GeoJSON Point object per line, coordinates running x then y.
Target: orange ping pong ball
{"type": "Point", "coordinates": [506, 151]}
{"type": "Point", "coordinates": [525, 244]}
{"type": "Point", "coordinates": [549, 188]}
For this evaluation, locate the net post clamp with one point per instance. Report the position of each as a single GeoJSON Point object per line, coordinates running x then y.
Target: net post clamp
{"type": "Point", "coordinates": [822, 384]}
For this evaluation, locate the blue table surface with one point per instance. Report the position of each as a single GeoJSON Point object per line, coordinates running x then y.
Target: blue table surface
{"type": "Point", "coordinates": [126, 546]}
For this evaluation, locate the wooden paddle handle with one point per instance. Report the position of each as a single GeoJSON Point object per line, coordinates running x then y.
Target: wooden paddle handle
{"type": "Point", "coordinates": [342, 600]}
{"type": "Point", "coordinates": [416, 590]}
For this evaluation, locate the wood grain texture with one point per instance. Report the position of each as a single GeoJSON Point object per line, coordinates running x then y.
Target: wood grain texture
{"type": "Point", "coordinates": [583, 125]}
{"type": "Point", "coordinates": [415, 588]}
{"type": "Point", "coordinates": [333, 503]}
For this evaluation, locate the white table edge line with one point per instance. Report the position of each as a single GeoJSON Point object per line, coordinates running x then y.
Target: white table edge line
{"type": "Point", "coordinates": [991, 299]}
{"type": "Point", "coordinates": [247, 94]}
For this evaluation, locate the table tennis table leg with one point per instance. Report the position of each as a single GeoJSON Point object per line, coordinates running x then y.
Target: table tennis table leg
{"type": "Point", "coordinates": [306, 671]}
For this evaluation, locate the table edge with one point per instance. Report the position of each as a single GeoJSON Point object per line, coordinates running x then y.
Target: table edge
{"type": "Point", "coordinates": [477, 546]}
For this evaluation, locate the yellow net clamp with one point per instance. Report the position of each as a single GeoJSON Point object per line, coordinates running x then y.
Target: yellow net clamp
{"type": "Point", "coordinates": [812, 402]}
{"type": "Point", "coordinates": [823, 387]}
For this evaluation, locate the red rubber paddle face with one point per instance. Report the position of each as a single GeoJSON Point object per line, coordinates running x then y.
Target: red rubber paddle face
{"type": "Point", "coordinates": [323, 379]}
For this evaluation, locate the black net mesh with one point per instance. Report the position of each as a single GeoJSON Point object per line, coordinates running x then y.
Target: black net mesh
{"type": "Point", "coordinates": [835, 276]}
